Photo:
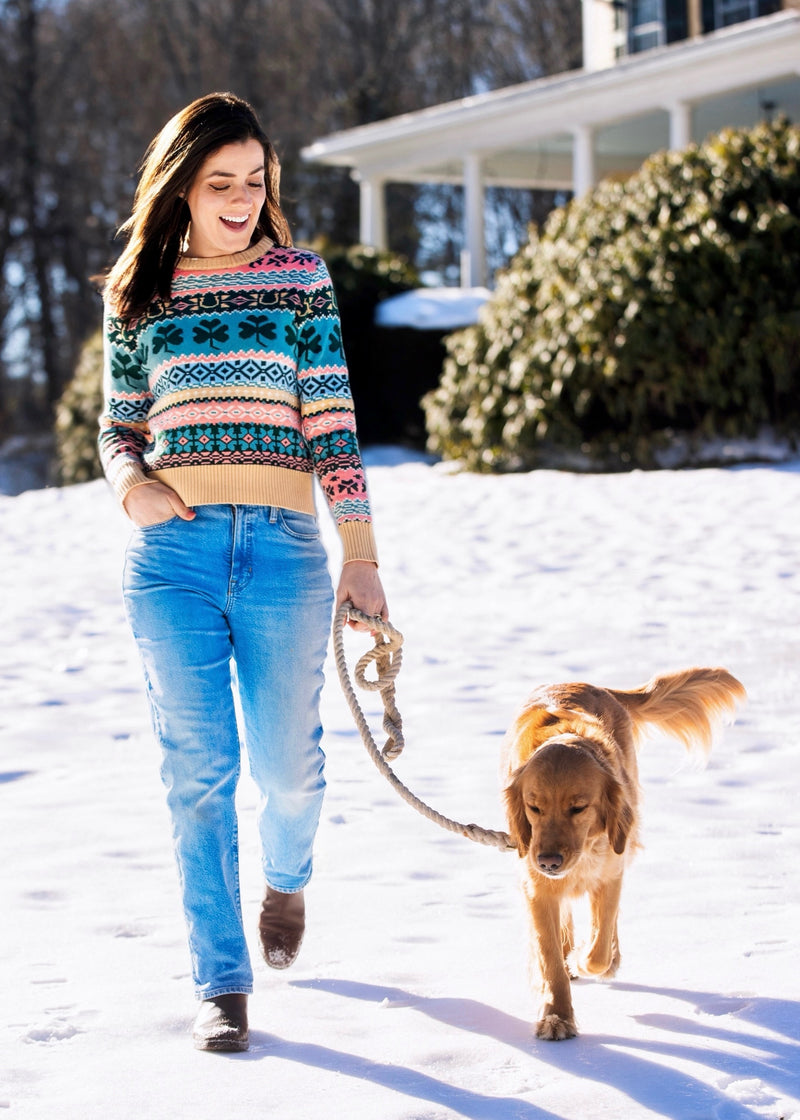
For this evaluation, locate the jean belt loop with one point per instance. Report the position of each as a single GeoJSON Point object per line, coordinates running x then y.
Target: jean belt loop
{"type": "Point", "coordinates": [273, 514]}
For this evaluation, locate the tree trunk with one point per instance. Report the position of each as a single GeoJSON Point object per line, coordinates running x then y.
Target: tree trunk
{"type": "Point", "coordinates": [24, 115]}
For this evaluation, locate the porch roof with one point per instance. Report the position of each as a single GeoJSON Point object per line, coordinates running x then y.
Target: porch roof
{"type": "Point", "coordinates": [523, 134]}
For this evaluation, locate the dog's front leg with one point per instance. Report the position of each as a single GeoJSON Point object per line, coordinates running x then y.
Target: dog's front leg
{"type": "Point", "coordinates": [602, 956]}
{"type": "Point", "coordinates": [556, 1018]}
{"type": "Point", "coordinates": [567, 937]}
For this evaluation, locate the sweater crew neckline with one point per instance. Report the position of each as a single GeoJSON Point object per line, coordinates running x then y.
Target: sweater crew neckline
{"type": "Point", "coordinates": [214, 264]}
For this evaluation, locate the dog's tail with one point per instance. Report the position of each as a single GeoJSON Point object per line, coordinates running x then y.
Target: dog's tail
{"type": "Point", "coordinates": [689, 705]}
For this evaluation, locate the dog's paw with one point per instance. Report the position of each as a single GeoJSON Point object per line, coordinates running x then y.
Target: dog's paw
{"type": "Point", "coordinates": [555, 1029]}
{"type": "Point", "coordinates": [613, 968]}
{"type": "Point", "coordinates": [593, 965]}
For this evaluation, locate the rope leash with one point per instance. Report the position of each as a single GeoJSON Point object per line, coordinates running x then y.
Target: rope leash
{"type": "Point", "coordinates": [387, 655]}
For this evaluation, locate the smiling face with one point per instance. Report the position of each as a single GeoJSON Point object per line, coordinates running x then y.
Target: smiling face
{"type": "Point", "coordinates": [225, 200]}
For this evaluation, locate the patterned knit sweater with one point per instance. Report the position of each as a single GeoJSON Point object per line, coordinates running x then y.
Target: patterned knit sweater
{"type": "Point", "coordinates": [235, 390]}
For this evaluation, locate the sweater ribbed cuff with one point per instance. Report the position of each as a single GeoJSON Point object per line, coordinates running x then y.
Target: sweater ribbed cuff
{"type": "Point", "coordinates": [124, 475]}
{"type": "Point", "coordinates": [358, 541]}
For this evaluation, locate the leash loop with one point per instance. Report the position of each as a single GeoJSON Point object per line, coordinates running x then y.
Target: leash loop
{"type": "Point", "coordinates": [387, 656]}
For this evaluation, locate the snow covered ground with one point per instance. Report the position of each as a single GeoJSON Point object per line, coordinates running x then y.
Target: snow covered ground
{"type": "Point", "coordinates": [410, 999]}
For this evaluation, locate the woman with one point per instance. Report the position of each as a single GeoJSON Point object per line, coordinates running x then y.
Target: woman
{"type": "Point", "coordinates": [226, 394]}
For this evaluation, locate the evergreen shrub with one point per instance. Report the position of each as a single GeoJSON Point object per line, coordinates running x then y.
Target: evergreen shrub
{"type": "Point", "coordinates": [76, 417]}
{"type": "Point", "coordinates": [660, 307]}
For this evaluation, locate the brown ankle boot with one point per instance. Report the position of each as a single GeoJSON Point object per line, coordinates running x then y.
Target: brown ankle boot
{"type": "Point", "coordinates": [281, 927]}
{"type": "Point", "coordinates": [221, 1024]}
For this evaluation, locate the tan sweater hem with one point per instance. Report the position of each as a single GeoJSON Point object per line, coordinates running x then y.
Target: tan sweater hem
{"type": "Point", "coordinates": [242, 484]}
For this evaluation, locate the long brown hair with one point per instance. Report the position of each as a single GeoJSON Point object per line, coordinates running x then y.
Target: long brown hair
{"type": "Point", "coordinates": [160, 218]}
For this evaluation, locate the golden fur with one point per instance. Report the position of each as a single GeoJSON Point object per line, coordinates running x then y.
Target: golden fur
{"type": "Point", "coordinates": [572, 800]}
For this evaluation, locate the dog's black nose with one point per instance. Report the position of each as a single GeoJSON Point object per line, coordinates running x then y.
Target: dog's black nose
{"type": "Point", "coordinates": [549, 862]}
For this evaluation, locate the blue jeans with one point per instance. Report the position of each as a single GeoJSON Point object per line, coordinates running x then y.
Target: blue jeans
{"type": "Point", "coordinates": [236, 602]}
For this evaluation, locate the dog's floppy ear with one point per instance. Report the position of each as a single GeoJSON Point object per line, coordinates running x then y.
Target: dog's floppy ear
{"type": "Point", "coordinates": [519, 826]}
{"type": "Point", "coordinates": [617, 815]}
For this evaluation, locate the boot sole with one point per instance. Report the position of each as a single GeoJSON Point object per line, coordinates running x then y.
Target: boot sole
{"type": "Point", "coordinates": [222, 1045]}
{"type": "Point", "coordinates": [284, 962]}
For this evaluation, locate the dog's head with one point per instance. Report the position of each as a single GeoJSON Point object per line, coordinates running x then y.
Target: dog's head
{"type": "Point", "coordinates": [561, 799]}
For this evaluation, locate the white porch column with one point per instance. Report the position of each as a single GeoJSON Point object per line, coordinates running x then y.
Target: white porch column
{"type": "Point", "coordinates": [584, 173]}
{"type": "Point", "coordinates": [473, 259]}
{"type": "Point", "coordinates": [680, 124]}
{"type": "Point", "coordinates": [372, 212]}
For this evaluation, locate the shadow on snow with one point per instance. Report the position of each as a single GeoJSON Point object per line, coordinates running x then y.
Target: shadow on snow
{"type": "Point", "coordinates": [640, 1068]}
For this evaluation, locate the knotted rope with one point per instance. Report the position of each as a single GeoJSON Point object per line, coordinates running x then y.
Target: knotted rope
{"type": "Point", "coordinates": [388, 655]}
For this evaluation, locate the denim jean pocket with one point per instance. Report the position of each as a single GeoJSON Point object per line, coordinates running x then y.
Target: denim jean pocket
{"type": "Point", "coordinates": [156, 525]}
{"type": "Point", "coordinates": [302, 526]}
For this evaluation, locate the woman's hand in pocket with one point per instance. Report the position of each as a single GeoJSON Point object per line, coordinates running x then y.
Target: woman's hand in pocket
{"type": "Point", "coordinates": [154, 502]}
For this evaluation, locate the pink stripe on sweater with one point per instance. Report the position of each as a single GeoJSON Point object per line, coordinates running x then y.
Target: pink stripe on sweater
{"type": "Point", "coordinates": [226, 412]}
{"type": "Point", "coordinates": [322, 371]}
{"type": "Point", "coordinates": [323, 422]}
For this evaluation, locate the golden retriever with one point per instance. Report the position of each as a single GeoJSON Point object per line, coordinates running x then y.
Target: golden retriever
{"type": "Point", "coordinates": [572, 796]}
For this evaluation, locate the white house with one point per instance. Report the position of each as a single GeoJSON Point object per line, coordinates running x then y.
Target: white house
{"type": "Point", "coordinates": [656, 74]}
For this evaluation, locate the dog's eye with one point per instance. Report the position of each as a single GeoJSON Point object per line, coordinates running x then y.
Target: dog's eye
{"type": "Point", "coordinates": [578, 809]}
{"type": "Point", "coordinates": [534, 809]}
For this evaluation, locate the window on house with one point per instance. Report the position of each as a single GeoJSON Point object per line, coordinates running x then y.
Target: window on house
{"type": "Point", "coordinates": [646, 27]}
{"type": "Point", "coordinates": [643, 24]}
{"type": "Point", "coordinates": [652, 23]}
{"type": "Point", "coordinates": [727, 12]}
{"type": "Point", "coordinates": [676, 20]}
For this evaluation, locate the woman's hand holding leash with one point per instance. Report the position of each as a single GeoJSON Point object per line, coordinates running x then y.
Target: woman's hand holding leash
{"type": "Point", "coordinates": [360, 583]}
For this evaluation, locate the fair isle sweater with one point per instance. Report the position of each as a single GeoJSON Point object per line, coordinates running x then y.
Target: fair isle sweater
{"type": "Point", "coordinates": [235, 390]}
